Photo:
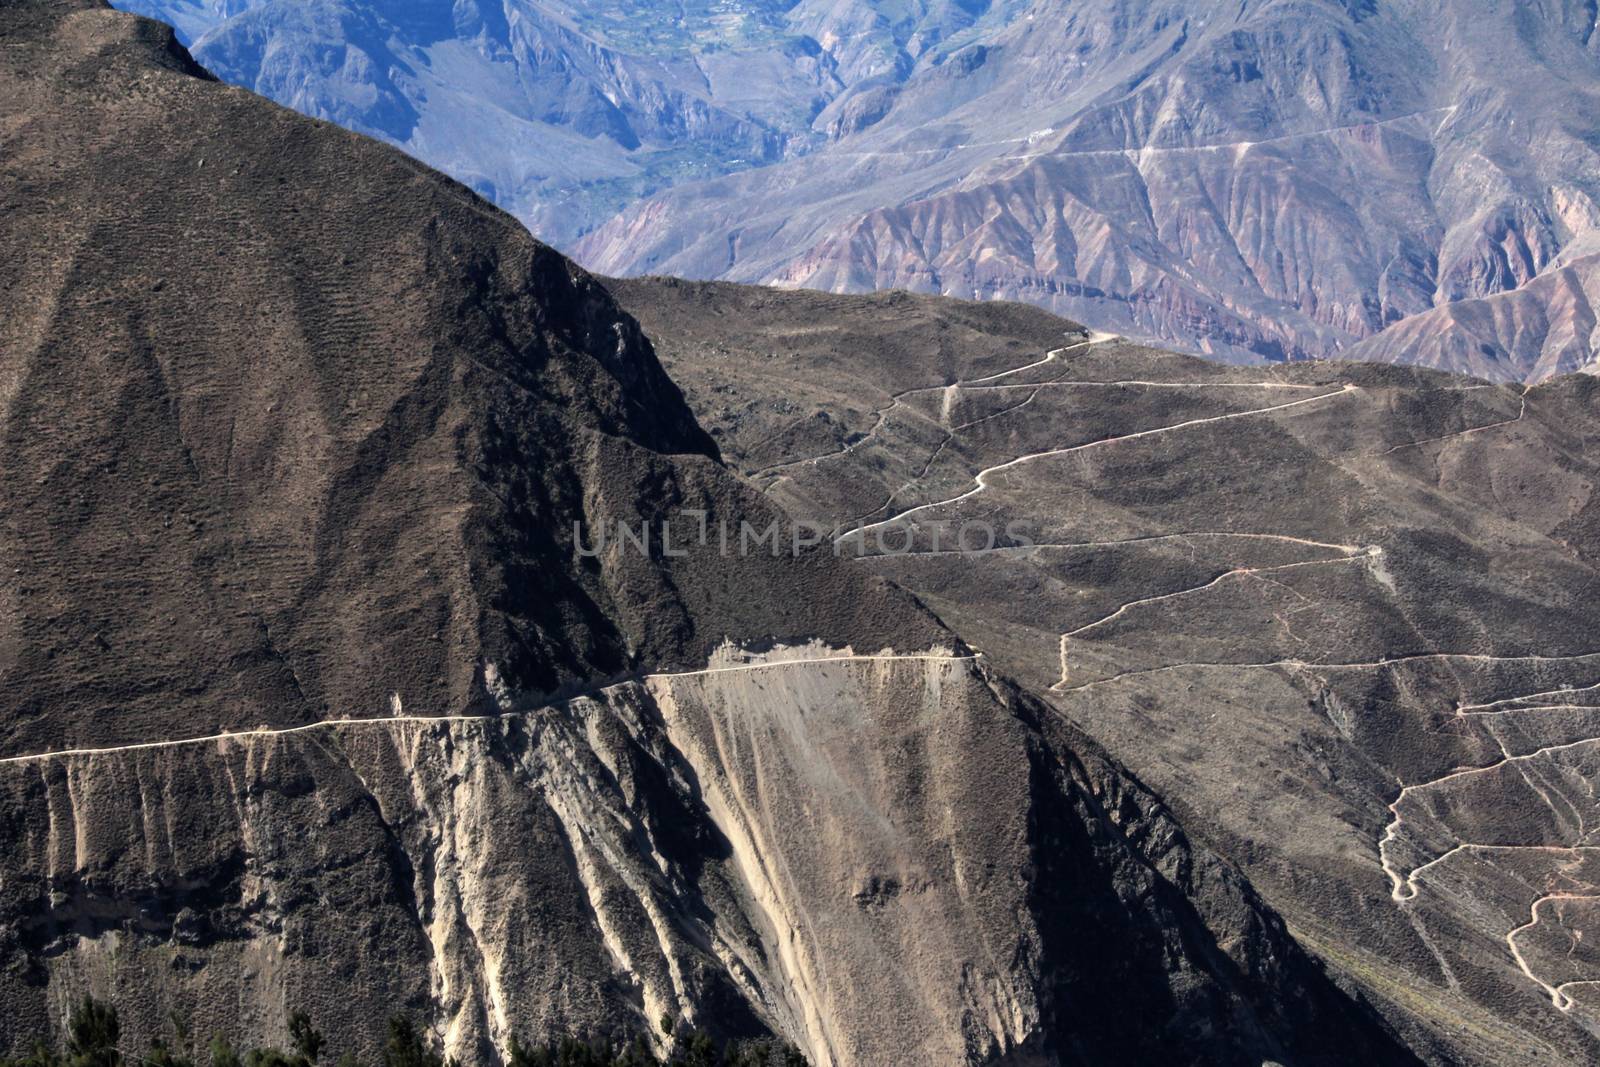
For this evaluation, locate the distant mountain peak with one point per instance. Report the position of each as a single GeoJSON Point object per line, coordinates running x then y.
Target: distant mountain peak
{"type": "Point", "coordinates": [1273, 180]}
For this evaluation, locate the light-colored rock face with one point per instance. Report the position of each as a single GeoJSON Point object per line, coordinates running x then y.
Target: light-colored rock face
{"type": "Point", "coordinates": [841, 791]}
{"type": "Point", "coordinates": [838, 845]}
{"type": "Point", "coordinates": [879, 857]}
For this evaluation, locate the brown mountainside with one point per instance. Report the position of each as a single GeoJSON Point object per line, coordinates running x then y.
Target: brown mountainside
{"type": "Point", "coordinates": [310, 704]}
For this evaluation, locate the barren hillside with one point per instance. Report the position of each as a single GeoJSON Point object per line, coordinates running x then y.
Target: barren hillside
{"type": "Point", "coordinates": [311, 702]}
{"type": "Point", "coordinates": [1341, 615]}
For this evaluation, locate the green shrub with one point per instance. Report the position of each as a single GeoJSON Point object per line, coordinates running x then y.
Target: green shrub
{"type": "Point", "coordinates": [92, 1035]}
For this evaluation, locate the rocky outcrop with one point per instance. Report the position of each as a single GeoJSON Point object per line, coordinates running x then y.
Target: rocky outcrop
{"type": "Point", "coordinates": [732, 845]}
{"type": "Point", "coordinates": [882, 858]}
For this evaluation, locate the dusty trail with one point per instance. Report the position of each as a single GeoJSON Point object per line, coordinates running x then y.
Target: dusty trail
{"type": "Point", "coordinates": [1403, 886]}
{"type": "Point", "coordinates": [1094, 338]}
{"type": "Point", "coordinates": [1355, 555]}
{"type": "Point", "coordinates": [1521, 414]}
{"type": "Point", "coordinates": [1305, 664]}
{"type": "Point", "coordinates": [1412, 879]}
{"type": "Point", "coordinates": [1557, 993]}
{"type": "Point", "coordinates": [981, 479]}
{"type": "Point", "coordinates": [881, 413]}
{"type": "Point", "coordinates": [1499, 707]}
{"type": "Point", "coordinates": [951, 393]}
{"type": "Point", "coordinates": [1003, 411]}
{"type": "Point", "coordinates": [1077, 383]}
{"type": "Point", "coordinates": [270, 731]}
{"type": "Point", "coordinates": [975, 385]}
{"type": "Point", "coordinates": [1039, 387]}
{"type": "Point", "coordinates": [1143, 540]}
{"type": "Point", "coordinates": [1054, 354]}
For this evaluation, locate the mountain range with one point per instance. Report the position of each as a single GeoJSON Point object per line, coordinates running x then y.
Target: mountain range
{"type": "Point", "coordinates": [1339, 615]}
{"type": "Point", "coordinates": [324, 690]}
{"type": "Point", "coordinates": [400, 620]}
{"type": "Point", "coordinates": [1276, 179]}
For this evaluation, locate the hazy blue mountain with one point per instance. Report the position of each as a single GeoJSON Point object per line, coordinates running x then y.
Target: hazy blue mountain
{"type": "Point", "coordinates": [561, 113]}
{"type": "Point", "coordinates": [1270, 179]}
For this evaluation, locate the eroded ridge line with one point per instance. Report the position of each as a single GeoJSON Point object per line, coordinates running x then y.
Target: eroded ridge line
{"type": "Point", "coordinates": [981, 479]}
{"type": "Point", "coordinates": [504, 713]}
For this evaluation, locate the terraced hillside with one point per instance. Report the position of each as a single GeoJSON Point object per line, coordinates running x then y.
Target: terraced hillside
{"type": "Point", "coordinates": [1344, 616]}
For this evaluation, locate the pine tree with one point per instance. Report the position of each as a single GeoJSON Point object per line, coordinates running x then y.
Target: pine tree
{"type": "Point", "coordinates": [406, 1047]}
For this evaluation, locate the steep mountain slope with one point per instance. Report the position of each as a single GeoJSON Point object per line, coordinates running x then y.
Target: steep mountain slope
{"type": "Point", "coordinates": [1342, 615]}
{"type": "Point", "coordinates": [312, 701]}
{"type": "Point", "coordinates": [1275, 178]}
